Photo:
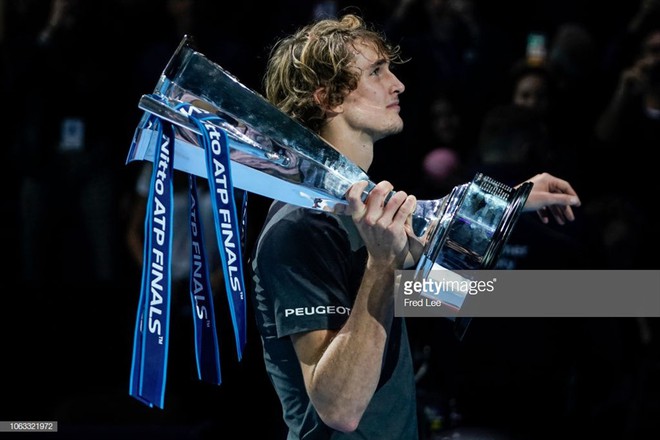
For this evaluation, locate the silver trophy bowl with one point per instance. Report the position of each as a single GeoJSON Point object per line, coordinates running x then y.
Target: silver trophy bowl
{"type": "Point", "coordinates": [275, 156]}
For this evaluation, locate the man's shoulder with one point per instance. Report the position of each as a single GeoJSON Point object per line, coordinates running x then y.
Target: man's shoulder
{"type": "Point", "coordinates": [296, 227]}
{"type": "Point", "coordinates": [286, 214]}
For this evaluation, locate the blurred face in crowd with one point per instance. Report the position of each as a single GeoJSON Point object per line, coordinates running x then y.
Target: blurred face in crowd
{"type": "Point", "coordinates": [651, 46]}
{"type": "Point", "coordinates": [531, 91]}
{"type": "Point", "coordinates": [445, 121]}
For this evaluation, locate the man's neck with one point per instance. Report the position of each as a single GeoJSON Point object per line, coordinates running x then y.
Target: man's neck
{"type": "Point", "coordinates": [358, 148]}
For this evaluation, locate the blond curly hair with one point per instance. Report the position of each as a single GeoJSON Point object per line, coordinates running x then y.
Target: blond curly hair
{"type": "Point", "coordinates": [319, 56]}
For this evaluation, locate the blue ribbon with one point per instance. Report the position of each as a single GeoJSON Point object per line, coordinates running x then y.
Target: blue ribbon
{"type": "Point", "coordinates": [207, 353]}
{"type": "Point", "coordinates": [151, 338]}
{"type": "Point", "coordinates": [228, 234]}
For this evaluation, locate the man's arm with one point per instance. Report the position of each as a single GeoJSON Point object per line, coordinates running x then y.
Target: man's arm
{"type": "Point", "coordinates": [551, 195]}
{"type": "Point", "coordinates": [342, 369]}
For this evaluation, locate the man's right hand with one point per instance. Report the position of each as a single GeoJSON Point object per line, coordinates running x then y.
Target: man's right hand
{"type": "Point", "coordinates": [383, 226]}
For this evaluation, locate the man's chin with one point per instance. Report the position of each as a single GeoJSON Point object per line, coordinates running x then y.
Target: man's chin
{"type": "Point", "coordinates": [395, 129]}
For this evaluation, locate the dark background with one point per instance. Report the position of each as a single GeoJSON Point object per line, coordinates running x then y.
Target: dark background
{"type": "Point", "coordinates": [66, 342]}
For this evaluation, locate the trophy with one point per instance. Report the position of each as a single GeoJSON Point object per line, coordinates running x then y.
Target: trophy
{"type": "Point", "coordinates": [275, 156]}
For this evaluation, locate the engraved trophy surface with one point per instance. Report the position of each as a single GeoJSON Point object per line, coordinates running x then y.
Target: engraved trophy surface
{"type": "Point", "coordinates": [275, 156]}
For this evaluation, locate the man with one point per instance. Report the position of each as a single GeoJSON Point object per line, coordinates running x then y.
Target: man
{"type": "Point", "coordinates": [323, 282]}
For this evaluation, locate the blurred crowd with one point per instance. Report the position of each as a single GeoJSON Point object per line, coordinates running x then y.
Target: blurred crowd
{"type": "Point", "coordinates": [506, 88]}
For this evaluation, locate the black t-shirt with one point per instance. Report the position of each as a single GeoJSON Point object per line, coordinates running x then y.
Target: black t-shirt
{"type": "Point", "coordinates": [306, 270]}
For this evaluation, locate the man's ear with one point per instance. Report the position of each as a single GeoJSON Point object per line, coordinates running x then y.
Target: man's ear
{"type": "Point", "coordinates": [321, 98]}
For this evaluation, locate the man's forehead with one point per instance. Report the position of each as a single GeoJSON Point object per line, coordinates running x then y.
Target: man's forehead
{"type": "Point", "coordinates": [367, 54]}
